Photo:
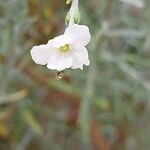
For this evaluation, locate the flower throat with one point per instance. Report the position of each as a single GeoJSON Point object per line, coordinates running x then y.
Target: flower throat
{"type": "Point", "coordinates": [65, 48]}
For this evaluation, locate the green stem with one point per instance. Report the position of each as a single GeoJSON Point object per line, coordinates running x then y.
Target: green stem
{"type": "Point", "coordinates": [84, 114]}
{"type": "Point", "coordinates": [73, 10]}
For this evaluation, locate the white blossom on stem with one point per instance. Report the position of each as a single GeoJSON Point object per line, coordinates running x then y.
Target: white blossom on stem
{"type": "Point", "coordinates": [65, 51]}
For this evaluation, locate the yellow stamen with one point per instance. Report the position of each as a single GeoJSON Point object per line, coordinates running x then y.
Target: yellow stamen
{"type": "Point", "coordinates": [65, 48]}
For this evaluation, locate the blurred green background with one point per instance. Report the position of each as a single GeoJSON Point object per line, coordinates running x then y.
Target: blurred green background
{"type": "Point", "coordinates": [104, 107]}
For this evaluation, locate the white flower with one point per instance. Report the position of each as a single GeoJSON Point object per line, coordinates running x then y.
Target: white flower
{"type": "Point", "coordinates": [65, 51]}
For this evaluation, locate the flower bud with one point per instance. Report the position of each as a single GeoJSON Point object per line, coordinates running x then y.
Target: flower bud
{"type": "Point", "coordinates": [68, 2]}
{"type": "Point", "coordinates": [73, 17]}
{"type": "Point", "coordinates": [77, 18]}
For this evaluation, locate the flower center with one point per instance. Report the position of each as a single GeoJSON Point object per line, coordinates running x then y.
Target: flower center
{"type": "Point", "coordinates": [65, 48]}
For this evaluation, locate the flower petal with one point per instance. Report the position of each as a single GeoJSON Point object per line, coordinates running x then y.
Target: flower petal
{"type": "Point", "coordinates": [78, 34]}
{"type": "Point", "coordinates": [80, 57]}
{"type": "Point", "coordinates": [40, 54]}
{"type": "Point", "coordinates": [59, 41]}
{"type": "Point", "coordinates": [59, 62]}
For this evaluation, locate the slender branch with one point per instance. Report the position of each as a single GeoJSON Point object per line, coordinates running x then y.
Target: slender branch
{"type": "Point", "coordinates": [84, 114]}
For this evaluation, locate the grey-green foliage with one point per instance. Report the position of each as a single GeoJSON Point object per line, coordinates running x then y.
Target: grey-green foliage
{"type": "Point", "coordinates": [118, 76]}
{"type": "Point", "coordinates": [122, 65]}
{"type": "Point", "coordinates": [14, 22]}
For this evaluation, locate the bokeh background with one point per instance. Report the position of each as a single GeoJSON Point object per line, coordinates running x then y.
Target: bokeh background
{"type": "Point", "coordinates": [104, 107]}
